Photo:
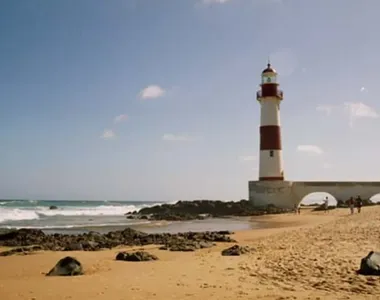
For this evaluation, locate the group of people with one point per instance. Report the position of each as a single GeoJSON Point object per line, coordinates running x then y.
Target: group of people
{"type": "Point", "coordinates": [352, 203]}
{"type": "Point", "coordinates": [358, 202]}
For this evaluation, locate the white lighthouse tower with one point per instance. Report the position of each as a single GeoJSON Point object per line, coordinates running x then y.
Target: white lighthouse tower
{"type": "Point", "coordinates": [272, 188]}
{"type": "Point", "coordinates": [270, 97]}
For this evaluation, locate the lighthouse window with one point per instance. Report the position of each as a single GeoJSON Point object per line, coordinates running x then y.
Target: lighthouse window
{"type": "Point", "coordinates": [271, 153]}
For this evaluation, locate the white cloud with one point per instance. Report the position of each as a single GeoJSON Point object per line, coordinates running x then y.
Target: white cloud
{"type": "Point", "coordinates": [120, 118]}
{"type": "Point", "coordinates": [363, 89]}
{"type": "Point", "coordinates": [357, 110]}
{"type": "Point", "coordinates": [108, 134]}
{"type": "Point", "coordinates": [151, 92]}
{"type": "Point", "coordinates": [327, 109]}
{"type": "Point", "coordinates": [361, 110]}
{"type": "Point", "coordinates": [177, 138]}
{"type": "Point", "coordinates": [248, 158]}
{"type": "Point", "coordinates": [312, 149]}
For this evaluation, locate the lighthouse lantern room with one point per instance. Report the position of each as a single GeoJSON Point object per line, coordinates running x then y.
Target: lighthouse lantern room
{"type": "Point", "coordinates": [269, 97]}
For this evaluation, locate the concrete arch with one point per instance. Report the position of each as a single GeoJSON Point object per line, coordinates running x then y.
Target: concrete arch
{"type": "Point", "coordinates": [289, 193]}
{"type": "Point", "coordinates": [318, 198]}
{"type": "Point", "coordinates": [375, 198]}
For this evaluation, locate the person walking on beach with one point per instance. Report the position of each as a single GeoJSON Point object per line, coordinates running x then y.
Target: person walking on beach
{"type": "Point", "coordinates": [359, 203]}
{"type": "Point", "coordinates": [351, 205]}
{"type": "Point", "coordinates": [326, 204]}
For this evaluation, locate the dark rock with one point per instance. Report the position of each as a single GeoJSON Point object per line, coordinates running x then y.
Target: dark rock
{"type": "Point", "coordinates": [68, 266]}
{"type": "Point", "coordinates": [74, 247]}
{"type": "Point", "coordinates": [136, 256]}
{"type": "Point", "coordinates": [21, 250]}
{"type": "Point", "coordinates": [236, 250]}
{"type": "Point", "coordinates": [53, 207]}
{"type": "Point", "coordinates": [370, 265]}
{"type": "Point", "coordinates": [201, 209]}
{"type": "Point", "coordinates": [93, 241]}
{"type": "Point", "coordinates": [321, 207]}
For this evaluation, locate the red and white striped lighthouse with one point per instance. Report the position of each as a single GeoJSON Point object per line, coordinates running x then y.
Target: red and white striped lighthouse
{"type": "Point", "coordinates": [270, 96]}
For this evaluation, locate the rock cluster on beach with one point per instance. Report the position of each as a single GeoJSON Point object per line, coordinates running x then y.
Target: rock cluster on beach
{"type": "Point", "coordinates": [93, 241]}
{"type": "Point", "coordinates": [136, 256]}
{"type": "Point", "coordinates": [200, 209]}
{"type": "Point", "coordinates": [67, 266]}
{"type": "Point", "coordinates": [236, 250]}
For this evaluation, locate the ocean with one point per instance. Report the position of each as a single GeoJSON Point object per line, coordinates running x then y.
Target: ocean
{"type": "Point", "coordinates": [102, 216]}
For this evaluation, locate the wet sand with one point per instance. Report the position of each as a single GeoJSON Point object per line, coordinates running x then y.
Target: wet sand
{"type": "Point", "coordinates": [307, 256]}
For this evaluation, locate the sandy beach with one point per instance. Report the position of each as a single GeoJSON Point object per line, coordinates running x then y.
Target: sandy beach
{"type": "Point", "coordinates": [309, 256]}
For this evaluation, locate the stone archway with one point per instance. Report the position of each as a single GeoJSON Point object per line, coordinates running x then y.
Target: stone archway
{"type": "Point", "coordinates": [375, 198]}
{"type": "Point", "coordinates": [317, 198]}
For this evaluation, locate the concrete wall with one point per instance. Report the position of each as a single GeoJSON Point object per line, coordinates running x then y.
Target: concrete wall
{"type": "Point", "coordinates": [288, 193]}
{"type": "Point", "coordinates": [278, 193]}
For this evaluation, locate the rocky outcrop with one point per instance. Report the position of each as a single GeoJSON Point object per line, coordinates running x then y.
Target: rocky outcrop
{"type": "Point", "coordinates": [21, 251]}
{"type": "Point", "coordinates": [322, 208]}
{"type": "Point", "coordinates": [136, 256]}
{"type": "Point", "coordinates": [236, 250]}
{"type": "Point", "coordinates": [201, 209]}
{"type": "Point", "coordinates": [68, 266]}
{"type": "Point", "coordinates": [93, 241]}
{"type": "Point", "coordinates": [186, 245]}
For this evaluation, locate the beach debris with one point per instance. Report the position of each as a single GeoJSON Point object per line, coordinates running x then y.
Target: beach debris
{"type": "Point", "coordinates": [21, 250]}
{"type": "Point", "coordinates": [93, 241]}
{"type": "Point", "coordinates": [236, 250]}
{"type": "Point", "coordinates": [67, 266]}
{"type": "Point", "coordinates": [370, 265]}
{"type": "Point", "coordinates": [136, 256]}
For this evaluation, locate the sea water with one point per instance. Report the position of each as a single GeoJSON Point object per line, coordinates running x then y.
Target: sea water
{"type": "Point", "coordinates": [102, 216]}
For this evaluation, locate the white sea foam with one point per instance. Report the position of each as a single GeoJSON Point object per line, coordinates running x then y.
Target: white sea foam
{"type": "Point", "coordinates": [78, 225]}
{"type": "Point", "coordinates": [17, 214]}
{"type": "Point", "coordinates": [103, 210]}
{"type": "Point", "coordinates": [20, 214]}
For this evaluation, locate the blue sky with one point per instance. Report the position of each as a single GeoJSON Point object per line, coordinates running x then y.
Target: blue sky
{"type": "Point", "coordinates": [155, 99]}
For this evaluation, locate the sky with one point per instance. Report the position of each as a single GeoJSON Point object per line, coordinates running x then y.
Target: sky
{"type": "Point", "coordinates": [154, 100]}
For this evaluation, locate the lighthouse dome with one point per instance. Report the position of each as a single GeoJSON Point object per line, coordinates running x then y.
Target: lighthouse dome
{"type": "Point", "coordinates": [269, 69]}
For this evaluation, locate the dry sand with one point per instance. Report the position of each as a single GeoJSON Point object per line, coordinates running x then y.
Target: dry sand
{"type": "Point", "coordinates": [307, 256]}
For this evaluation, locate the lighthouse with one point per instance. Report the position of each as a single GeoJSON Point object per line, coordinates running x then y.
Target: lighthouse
{"type": "Point", "coordinates": [270, 97]}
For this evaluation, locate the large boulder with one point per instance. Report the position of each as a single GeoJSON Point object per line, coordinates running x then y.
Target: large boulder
{"type": "Point", "coordinates": [370, 265]}
{"type": "Point", "coordinates": [136, 256]}
{"type": "Point", "coordinates": [68, 266]}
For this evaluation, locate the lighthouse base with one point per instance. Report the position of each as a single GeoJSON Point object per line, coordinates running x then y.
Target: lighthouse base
{"type": "Point", "coordinates": [286, 194]}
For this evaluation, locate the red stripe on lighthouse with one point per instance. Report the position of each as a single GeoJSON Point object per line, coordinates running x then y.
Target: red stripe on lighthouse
{"type": "Point", "coordinates": [271, 178]}
{"type": "Point", "coordinates": [270, 137]}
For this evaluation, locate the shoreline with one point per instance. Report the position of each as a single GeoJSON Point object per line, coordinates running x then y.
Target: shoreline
{"type": "Point", "coordinates": [153, 226]}
{"type": "Point", "coordinates": [296, 257]}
